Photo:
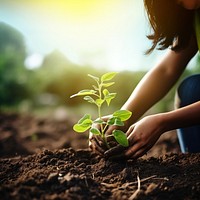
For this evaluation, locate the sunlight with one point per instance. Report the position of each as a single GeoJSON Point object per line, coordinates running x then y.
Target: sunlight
{"type": "Point", "coordinates": [33, 61]}
{"type": "Point", "coordinates": [98, 33]}
{"type": "Point", "coordinates": [75, 9]}
{"type": "Point", "coordinates": [81, 8]}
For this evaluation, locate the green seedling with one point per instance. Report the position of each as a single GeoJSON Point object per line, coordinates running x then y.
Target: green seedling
{"type": "Point", "coordinates": [98, 96]}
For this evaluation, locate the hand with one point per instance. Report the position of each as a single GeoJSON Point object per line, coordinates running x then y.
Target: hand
{"type": "Point", "coordinates": [97, 144]}
{"type": "Point", "coordinates": [142, 136]}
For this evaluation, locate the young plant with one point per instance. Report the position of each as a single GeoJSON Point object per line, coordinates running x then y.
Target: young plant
{"type": "Point", "coordinates": [98, 96]}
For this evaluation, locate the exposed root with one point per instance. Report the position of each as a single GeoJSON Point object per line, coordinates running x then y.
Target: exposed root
{"type": "Point", "coordinates": [124, 186]}
{"type": "Point", "coordinates": [115, 189]}
{"type": "Point", "coordinates": [134, 195]}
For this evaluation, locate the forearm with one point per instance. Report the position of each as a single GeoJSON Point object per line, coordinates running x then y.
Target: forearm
{"type": "Point", "coordinates": [182, 117]}
{"type": "Point", "coordinates": [153, 87]}
{"type": "Point", "coordinates": [158, 81]}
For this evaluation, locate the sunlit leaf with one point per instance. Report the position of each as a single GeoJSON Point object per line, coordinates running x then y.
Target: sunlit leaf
{"type": "Point", "coordinates": [94, 77]}
{"type": "Point", "coordinates": [108, 76]}
{"type": "Point", "coordinates": [86, 116]}
{"type": "Point", "coordinates": [122, 114]}
{"type": "Point", "coordinates": [99, 121]}
{"type": "Point", "coordinates": [80, 128]}
{"type": "Point", "coordinates": [84, 92]}
{"type": "Point", "coordinates": [95, 87]}
{"type": "Point", "coordinates": [95, 131]}
{"type": "Point", "coordinates": [111, 121]}
{"type": "Point", "coordinates": [99, 102]}
{"type": "Point", "coordinates": [108, 84]}
{"type": "Point", "coordinates": [108, 96]}
{"type": "Point", "coordinates": [121, 138]}
{"type": "Point", "coordinates": [118, 122]}
{"type": "Point", "coordinates": [115, 121]}
{"type": "Point", "coordinates": [83, 124]}
{"type": "Point", "coordinates": [89, 99]}
{"type": "Point", "coordinates": [87, 122]}
{"type": "Point", "coordinates": [105, 92]}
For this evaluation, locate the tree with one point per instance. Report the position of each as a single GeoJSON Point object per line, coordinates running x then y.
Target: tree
{"type": "Point", "coordinates": [12, 70]}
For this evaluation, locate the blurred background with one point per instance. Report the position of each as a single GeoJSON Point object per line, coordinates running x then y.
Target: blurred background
{"type": "Point", "coordinates": [48, 47]}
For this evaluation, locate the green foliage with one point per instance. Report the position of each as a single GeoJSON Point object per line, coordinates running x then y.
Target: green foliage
{"type": "Point", "coordinates": [98, 96]}
{"type": "Point", "coordinates": [13, 74]}
{"type": "Point", "coordinates": [120, 138]}
{"type": "Point", "coordinates": [59, 77]}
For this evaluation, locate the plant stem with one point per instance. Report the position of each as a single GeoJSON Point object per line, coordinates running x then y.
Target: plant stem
{"type": "Point", "coordinates": [99, 110]}
{"type": "Point", "coordinates": [102, 129]}
{"type": "Point", "coordinates": [100, 117]}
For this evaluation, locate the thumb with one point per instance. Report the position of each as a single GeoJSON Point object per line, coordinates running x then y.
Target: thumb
{"type": "Point", "coordinates": [115, 152]}
{"type": "Point", "coordinates": [109, 131]}
{"type": "Point", "coordinates": [130, 130]}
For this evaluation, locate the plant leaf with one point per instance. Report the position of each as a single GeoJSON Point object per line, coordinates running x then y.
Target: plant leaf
{"type": "Point", "coordinates": [118, 122]}
{"type": "Point", "coordinates": [80, 128]}
{"type": "Point", "coordinates": [111, 121]}
{"type": "Point", "coordinates": [122, 114]}
{"type": "Point", "coordinates": [99, 121]}
{"type": "Point", "coordinates": [108, 76]}
{"type": "Point", "coordinates": [94, 77]}
{"type": "Point", "coordinates": [108, 84]}
{"type": "Point", "coordinates": [121, 138]}
{"type": "Point", "coordinates": [105, 92]}
{"type": "Point", "coordinates": [84, 92]}
{"type": "Point", "coordinates": [115, 121]}
{"type": "Point", "coordinates": [99, 102]}
{"type": "Point", "coordinates": [108, 96]}
{"type": "Point", "coordinates": [95, 131]}
{"type": "Point", "coordinates": [89, 99]}
{"type": "Point", "coordinates": [86, 116]}
{"type": "Point", "coordinates": [83, 124]}
{"type": "Point", "coordinates": [95, 87]}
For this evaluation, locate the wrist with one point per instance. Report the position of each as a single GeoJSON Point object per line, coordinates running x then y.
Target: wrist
{"type": "Point", "coordinates": [166, 122]}
{"type": "Point", "coordinates": [162, 122]}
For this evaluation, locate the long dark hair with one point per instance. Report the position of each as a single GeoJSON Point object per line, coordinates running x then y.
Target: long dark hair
{"type": "Point", "coordinates": [170, 22]}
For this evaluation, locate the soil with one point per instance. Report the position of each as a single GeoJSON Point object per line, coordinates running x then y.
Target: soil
{"type": "Point", "coordinates": [42, 158]}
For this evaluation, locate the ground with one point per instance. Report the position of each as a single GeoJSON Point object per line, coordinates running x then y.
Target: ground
{"type": "Point", "coordinates": [42, 158]}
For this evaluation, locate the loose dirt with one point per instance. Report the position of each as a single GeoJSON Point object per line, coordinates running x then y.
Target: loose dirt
{"type": "Point", "coordinates": [43, 158]}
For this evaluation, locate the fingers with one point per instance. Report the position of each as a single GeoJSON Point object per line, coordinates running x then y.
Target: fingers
{"type": "Point", "coordinates": [137, 151]}
{"type": "Point", "coordinates": [138, 154]}
{"type": "Point", "coordinates": [116, 152]}
{"type": "Point", "coordinates": [112, 143]}
{"type": "Point", "coordinates": [130, 130]}
{"type": "Point", "coordinates": [134, 151]}
{"type": "Point", "coordinates": [108, 133]}
{"type": "Point", "coordinates": [97, 144]}
{"type": "Point", "coordinates": [94, 146]}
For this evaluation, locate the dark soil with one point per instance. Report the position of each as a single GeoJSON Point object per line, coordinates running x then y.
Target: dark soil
{"type": "Point", "coordinates": [45, 159]}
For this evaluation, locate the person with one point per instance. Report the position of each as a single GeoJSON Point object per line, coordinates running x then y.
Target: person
{"type": "Point", "coordinates": [175, 25]}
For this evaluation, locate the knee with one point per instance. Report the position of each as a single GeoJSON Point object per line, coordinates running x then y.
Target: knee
{"type": "Point", "coordinates": [188, 91]}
